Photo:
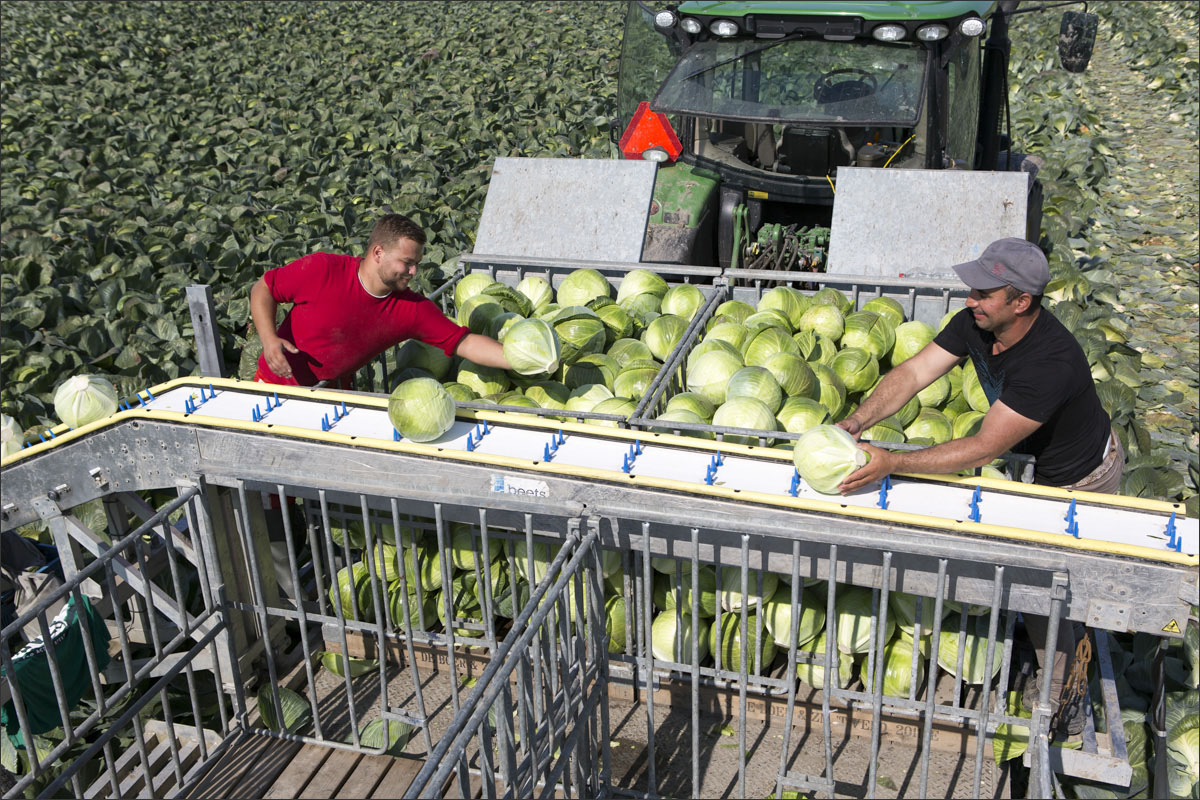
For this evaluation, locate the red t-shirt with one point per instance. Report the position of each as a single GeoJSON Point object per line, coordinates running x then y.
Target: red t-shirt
{"type": "Point", "coordinates": [338, 326]}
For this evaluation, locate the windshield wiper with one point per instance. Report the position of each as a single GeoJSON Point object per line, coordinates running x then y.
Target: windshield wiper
{"type": "Point", "coordinates": [739, 56]}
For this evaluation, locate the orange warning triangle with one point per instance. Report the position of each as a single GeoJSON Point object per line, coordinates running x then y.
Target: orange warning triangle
{"type": "Point", "coordinates": [1171, 627]}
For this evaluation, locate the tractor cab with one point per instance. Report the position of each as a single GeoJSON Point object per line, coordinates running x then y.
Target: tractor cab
{"type": "Point", "coordinates": [769, 100]}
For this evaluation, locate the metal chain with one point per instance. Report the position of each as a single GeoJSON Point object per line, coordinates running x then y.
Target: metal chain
{"type": "Point", "coordinates": [1076, 683]}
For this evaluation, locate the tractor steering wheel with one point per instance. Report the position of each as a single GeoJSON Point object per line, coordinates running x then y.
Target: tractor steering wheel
{"type": "Point", "coordinates": [863, 84]}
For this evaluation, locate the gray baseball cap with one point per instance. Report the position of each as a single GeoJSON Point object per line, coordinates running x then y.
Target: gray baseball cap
{"type": "Point", "coordinates": [1005, 262]}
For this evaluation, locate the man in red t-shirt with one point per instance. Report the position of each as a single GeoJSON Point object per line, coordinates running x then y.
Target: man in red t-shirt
{"type": "Point", "coordinates": [347, 310]}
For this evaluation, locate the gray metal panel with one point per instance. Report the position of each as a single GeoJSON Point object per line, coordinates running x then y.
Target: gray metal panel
{"type": "Point", "coordinates": [573, 208]}
{"type": "Point", "coordinates": [920, 223]}
{"type": "Point", "coordinates": [208, 336]}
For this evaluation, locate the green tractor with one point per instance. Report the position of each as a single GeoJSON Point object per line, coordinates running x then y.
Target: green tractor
{"type": "Point", "coordinates": [751, 108]}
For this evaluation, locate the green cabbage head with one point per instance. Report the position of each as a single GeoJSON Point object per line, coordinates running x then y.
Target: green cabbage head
{"type": "Point", "coordinates": [531, 347]}
{"type": "Point", "coordinates": [11, 436]}
{"type": "Point", "coordinates": [421, 409]}
{"type": "Point", "coordinates": [825, 455]}
{"type": "Point", "coordinates": [582, 286]}
{"type": "Point", "coordinates": [84, 399]}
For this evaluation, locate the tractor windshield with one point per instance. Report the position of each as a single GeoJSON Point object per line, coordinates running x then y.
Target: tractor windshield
{"type": "Point", "coordinates": [798, 81]}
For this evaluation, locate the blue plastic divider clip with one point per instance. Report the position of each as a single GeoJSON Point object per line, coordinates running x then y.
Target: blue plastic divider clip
{"type": "Point", "coordinates": [395, 435]}
{"type": "Point", "coordinates": [149, 394]}
{"type": "Point", "coordinates": [561, 439]}
{"type": "Point", "coordinates": [630, 457]}
{"type": "Point", "coordinates": [794, 488]}
{"type": "Point", "coordinates": [883, 492]}
{"type": "Point", "coordinates": [254, 415]}
{"type": "Point", "coordinates": [141, 402]}
{"type": "Point", "coordinates": [1170, 533]}
{"type": "Point", "coordinates": [976, 496]}
{"type": "Point", "coordinates": [325, 422]}
{"type": "Point", "coordinates": [1072, 523]}
{"type": "Point", "coordinates": [277, 400]}
{"type": "Point", "coordinates": [547, 453]}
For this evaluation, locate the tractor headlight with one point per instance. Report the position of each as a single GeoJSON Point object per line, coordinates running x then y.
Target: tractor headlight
{"type": "Point", "coordinates": [656, 154]}
{"type": "Point", "coordinates": [724, 27]}
{"type": "Point", "coordinates": [932, 33]}
{"type": "Point", "coordinates": [971, 26]}
{"type": "Point", "coordinates": [889, 33]}
{"type": "Point", "coordinates": [690, 25]}
{"type": "Point", "coordinates": [664, 19]}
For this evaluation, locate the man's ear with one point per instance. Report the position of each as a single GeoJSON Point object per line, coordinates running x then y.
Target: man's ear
{"type": "Point", "coordinates": [1024, 302]}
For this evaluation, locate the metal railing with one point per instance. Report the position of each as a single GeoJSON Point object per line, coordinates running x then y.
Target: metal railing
{"type": "Point", "coordinates": [137, 587]}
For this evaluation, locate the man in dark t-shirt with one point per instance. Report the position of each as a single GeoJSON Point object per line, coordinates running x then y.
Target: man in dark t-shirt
{"type": "Point", "coordinates": [1042, 402]}
{"type": "Point", "coordinates": [1033, 371]}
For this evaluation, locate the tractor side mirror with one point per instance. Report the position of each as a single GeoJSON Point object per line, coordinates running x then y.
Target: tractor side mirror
{"type": "Point", "coordinates": [1076, 40]}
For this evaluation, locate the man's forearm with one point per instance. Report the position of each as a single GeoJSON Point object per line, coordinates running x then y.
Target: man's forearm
{"type": "Point", "coordinates": [896, 389]}
{"type": "Point", "coordinates": [262, 311]}
{"type": "Point", "coordinates": [942, 459]}
{"type": "Point", "coordinates": [482, 350]}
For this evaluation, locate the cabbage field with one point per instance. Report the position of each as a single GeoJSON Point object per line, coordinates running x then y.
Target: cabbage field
{"type": "Point", "coordinates": [147, 147]}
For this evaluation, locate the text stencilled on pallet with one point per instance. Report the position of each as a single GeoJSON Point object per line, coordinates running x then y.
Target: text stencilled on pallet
{"type": "Point", "coordinates": [528, 487]}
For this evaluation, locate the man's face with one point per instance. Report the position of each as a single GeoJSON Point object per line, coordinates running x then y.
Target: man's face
{"type": "Point", "coordinates": [991, 308]}
{"type": "Point", "coordinates": [398, 264]}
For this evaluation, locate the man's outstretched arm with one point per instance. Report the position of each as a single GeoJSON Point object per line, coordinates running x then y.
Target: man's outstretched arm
{"type": "Point", "coordinates": [1002, 428]}
{"type": "Point", "coordinates": [482, 350]}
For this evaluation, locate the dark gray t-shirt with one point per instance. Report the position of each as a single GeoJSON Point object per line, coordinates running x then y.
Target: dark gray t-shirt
{"type": "Point", "coordinates": [1046, 378]}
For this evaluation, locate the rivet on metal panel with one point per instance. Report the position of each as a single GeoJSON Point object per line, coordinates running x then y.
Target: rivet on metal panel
{"type": "Point", "coordinates": [7, 508]}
